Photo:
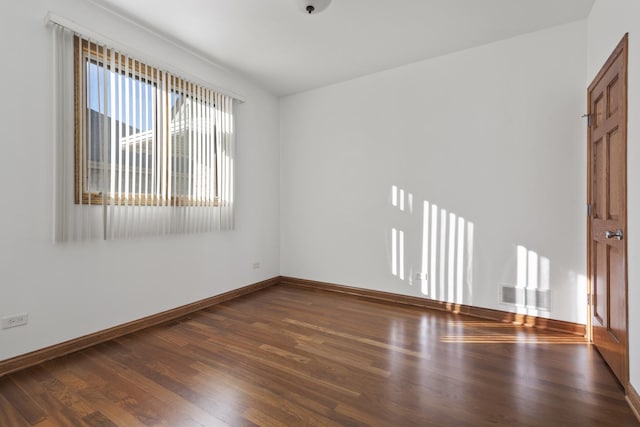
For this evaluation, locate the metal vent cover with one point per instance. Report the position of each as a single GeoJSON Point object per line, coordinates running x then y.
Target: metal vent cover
{"type": "Point", "coordinates": [511, 295]}
{"type": "Point", "coordinates": [538, 298]}
{"type": "Point", "coordinates": [522, 297]}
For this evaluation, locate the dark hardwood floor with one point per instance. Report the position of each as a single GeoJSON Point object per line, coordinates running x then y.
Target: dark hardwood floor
{"type": "Point", "coordinates": [288, 356]}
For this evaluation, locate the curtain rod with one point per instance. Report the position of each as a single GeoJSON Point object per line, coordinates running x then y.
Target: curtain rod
{"type": "Point", "coordinates": [52, 18]}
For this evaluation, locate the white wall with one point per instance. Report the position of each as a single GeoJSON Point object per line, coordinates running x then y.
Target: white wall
{"type": "Point", "coordinates": [492, 134]}
{"type": "Point", "coordinates": [74, 289]}
{"type": "Point", "coordinates": [608, 22]}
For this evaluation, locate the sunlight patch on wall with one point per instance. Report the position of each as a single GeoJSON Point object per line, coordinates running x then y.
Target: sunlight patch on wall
{"type": "Point", "coordinates": [398, 198]}
{"type": "Point", "coordinates": [581, 295]}
{"type": "Point", "coordinates": [447, 255]}
{"type": "Point", "coordinates": [425, 247]}
{"type": "Point", "coordinates": [531, 295]}
{"type": "Point", "coordinates": [397, 253]}
{"type": "Point", "coordinates": [394, 251]}
{"type": "Point", "coordinates": [446, 244]}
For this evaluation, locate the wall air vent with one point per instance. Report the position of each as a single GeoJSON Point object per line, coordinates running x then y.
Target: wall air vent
{"type": "Point", "coordinates": [512, 295]}
{"type": "Point", "coordinates": [538, 298]}
{"type": "Point", "coordinates": [523, 297]}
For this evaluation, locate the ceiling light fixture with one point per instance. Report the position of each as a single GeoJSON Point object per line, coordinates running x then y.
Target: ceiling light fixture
{"type": "Point", "coordinates": [312, 7]}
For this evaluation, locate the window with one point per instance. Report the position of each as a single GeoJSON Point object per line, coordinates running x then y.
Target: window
{"type": "Point", "coordinates": [138, 150]}
{"type": "Point", "coordinates": [142, 136]}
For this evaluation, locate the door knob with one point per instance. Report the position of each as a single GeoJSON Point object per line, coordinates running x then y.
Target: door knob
{"type": "Point", "coordinates": [613, 234]}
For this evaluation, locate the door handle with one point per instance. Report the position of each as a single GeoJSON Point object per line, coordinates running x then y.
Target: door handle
{"type": "Point", "coordinates": [613, 234]}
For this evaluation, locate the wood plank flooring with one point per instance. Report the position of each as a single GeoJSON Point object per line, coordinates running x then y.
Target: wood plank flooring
{"type": "Point", "coordinates": [288, 356]}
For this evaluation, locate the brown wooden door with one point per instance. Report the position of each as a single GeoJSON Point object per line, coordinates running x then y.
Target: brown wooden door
{"type": "Point", "coordinates": [607, 222]}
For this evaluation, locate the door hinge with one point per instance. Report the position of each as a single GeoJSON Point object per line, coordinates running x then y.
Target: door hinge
{"type": "Point", "coordinates": [589, 208]}
{"type": "Point", "coordinates": [588, 116]}
{"type": "Point", "coordinates": [589, 299]}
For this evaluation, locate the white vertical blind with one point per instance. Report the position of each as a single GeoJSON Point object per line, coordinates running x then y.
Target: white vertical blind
{"type": "Point", "coordinates": [138, 151]}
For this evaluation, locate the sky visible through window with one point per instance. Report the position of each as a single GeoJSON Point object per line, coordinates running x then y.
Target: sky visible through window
{"type": "Point", "coordinates": [141, 97]}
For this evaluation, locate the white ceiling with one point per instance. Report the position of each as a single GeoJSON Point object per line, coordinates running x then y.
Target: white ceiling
{"type": "Point", "coordinates": [286, 51]}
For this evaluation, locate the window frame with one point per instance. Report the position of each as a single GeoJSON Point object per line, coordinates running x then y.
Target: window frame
{"type": "Point", "coordinates": [86, 52]}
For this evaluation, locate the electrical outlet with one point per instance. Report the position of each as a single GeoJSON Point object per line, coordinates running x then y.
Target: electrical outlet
{"type": "Point", "coordinates": [13, 321]}
{"type": "Point", "coordinates": [420, 276]}
{"type": "Point", "coordinates": [256, 265]}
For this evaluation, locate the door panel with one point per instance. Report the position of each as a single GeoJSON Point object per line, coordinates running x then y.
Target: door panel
{"type": "Point", "coordinates": [614, 94]}
{"type": "Point", "coordinates": [607, 153]}
{"type": "Point", "coordinates": [598, 160]}
{"type": "Point", "coordinates": [598, 111]}
{"type": "Point", "coordinates": [617, 157]}
{"type": "Point", "coordinates": [600, 311]}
